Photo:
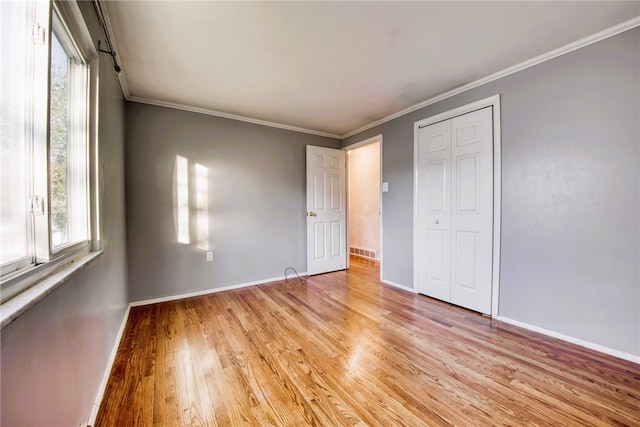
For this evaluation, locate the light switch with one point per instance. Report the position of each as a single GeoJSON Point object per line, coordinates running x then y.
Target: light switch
{"type": "Point", "coordinates": [385, 187]}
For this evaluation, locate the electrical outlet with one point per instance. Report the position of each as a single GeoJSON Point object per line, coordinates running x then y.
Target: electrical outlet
{"type": "Point", "coordinates": [209, 255]}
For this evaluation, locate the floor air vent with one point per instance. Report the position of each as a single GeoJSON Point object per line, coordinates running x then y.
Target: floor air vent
{"type": "Point", "coordinates": [364, 253]}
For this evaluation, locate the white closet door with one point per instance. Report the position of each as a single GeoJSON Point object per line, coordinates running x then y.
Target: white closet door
{"type": "Point", "coordinates": [455, 210]}
{"type": "Point", "coordinates": [472, 210]}
{"type": "Point", "coordinates": [434, 207]}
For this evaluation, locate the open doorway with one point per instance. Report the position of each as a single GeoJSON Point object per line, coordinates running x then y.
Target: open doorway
{"type": "Point", "coordinates": [364, 199]}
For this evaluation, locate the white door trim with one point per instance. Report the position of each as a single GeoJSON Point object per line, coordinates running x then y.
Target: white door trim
{"type": "Point", "coordinates": [493, 101]}
{"type": "Point", "coordinates": [373, 139]}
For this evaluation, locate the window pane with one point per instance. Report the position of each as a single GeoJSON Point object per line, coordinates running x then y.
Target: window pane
{"type": "Point", "coordinates": [59, 111]}
{"type": "Point", "coordinates": [14, 84]}
{"type": "Point", "coordinates": [67, 142]}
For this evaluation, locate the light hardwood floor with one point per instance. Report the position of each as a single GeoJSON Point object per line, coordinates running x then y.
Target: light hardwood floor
{"type": "Point", "coordinates": [344, 349]}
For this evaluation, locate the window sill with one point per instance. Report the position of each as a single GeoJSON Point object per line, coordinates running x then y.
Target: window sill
{"type": "Point", "coordinates": [13, 308]}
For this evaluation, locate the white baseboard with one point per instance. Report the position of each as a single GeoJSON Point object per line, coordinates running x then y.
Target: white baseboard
{"type": "Point", "coordinates": [211, 291]}
{"type": "Point", "coordinates": [107, 372]}
{"type": "Point", "coordinates": [597, 347]}
{"type": "Point", "coordinates": [398, 285]}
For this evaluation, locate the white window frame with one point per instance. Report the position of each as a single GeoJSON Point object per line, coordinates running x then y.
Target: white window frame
{"type": "Point", "coordinates": [45, 260]}
{"type": "Point", "coordinates": [29, 62]}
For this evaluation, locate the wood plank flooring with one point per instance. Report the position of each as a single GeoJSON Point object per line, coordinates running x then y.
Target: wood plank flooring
{"type": "Point", "coordinates": [344, 349]}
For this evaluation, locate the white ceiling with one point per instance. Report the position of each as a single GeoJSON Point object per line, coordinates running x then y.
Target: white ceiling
{"type": "Point", "coordinates": [333, 67]}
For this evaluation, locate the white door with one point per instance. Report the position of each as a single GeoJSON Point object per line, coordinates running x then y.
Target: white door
{"type": "Point", "coordinates": [434, 210]}
{"type": "Point", "coordinates": [326, 210]}
{"type": "Point", "coordinates": [455, 210]}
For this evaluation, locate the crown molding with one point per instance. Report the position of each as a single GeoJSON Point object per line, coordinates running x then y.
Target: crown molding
{"type": "Point", "coordinates": [229, 116]}
{"type": "Point", "coordinates": [594, 38]}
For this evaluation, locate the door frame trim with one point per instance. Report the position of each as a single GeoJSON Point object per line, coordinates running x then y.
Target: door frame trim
{"type": "Point", "coordinates": [492, 101]}
{"type": "Point", "coordinates": [356, 145]}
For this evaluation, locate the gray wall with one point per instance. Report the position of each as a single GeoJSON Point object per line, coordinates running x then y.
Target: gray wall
{"type": "Point", "coordinates": [570, 192]}
{"type": "Point", "coordinates": [55, 355]}
{"type": "Point", "coordinates": [257, 202]}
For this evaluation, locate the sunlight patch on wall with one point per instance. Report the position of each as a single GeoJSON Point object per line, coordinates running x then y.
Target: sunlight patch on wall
{"type": "Point", "coordinates": [202, 206]}
{"type": "Point", "coordinates": [181, 199]}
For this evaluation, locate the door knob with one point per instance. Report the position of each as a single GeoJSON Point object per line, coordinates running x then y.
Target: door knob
{"type": "Point", "coordinates": [312, 214]}
{"type": "Point", "coordinates": [435, 222]}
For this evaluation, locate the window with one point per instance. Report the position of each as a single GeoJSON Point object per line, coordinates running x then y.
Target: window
{"type": "Point", "coordinates": [15, 227]}
{"type": "Point", "coordinates": [45, 203]}
{"type": "Point", "coordinates": [67, 141]}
